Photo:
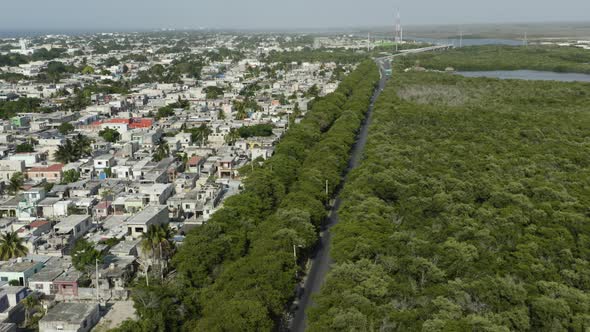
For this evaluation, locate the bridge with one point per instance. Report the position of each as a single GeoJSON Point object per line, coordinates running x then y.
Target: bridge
{"type": "Point", "coordinates": [385, 61]}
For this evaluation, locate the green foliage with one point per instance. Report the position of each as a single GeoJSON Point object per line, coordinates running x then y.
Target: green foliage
{"type": "Point", "coordinates": [162, 151]}
{"type": "Point", "coordinates": [200, 134]}
{"type": "Point", "coordinates": [9, 109]}
{"type": "Point", "coordinates": [243, 256]}
{"type": "Point", "coordinates": [166, 111]}
{"type": "Point", "coordinates": [497, 57]}
{"type": "Point", "coordinates": [213, 92]}
{"type": "Point", "coordinates": [468, 213]}
{"type": "Point", "coordinates": [110, 135]}
{"type": "Point", "coordinates": [65, 128]}
{"type": "Point", "coordinates": [259, 130]}
{"type": "Point", "coordinates": [84, 255]}
{"type": "Point", "coordinates": [73, 150]}
{"type": "Point", "coordinates": [11, 246]}
{"type": "Point", "coordinates": [43, 54]}
{"type": "Point", "coordinates": [320, 55]}
{"type": "Point", "coordinates": [24, 147]}
{"type": "Point", "coordinates": [70, 176]}
{"type": "Point", "coordinates": [17, 180]}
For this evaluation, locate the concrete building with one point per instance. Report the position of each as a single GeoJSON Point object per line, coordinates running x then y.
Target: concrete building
{"type": "Point", "coordinates": [20, 270]}
{"type": "Point", "coordinates": [151, 215]}
{"type": "Point", "coordinates": [70, 317]}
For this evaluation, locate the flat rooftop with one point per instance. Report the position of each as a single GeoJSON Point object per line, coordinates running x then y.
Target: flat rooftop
{"type": "Point", "coordinates": [73, 313]}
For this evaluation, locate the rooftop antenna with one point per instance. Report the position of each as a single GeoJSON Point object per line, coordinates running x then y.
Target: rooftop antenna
{"type": "Point", "coordinates": [398, 31]}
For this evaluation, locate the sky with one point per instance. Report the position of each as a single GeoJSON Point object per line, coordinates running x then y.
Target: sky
{"type": "Point", "coordinates": [30, 15]}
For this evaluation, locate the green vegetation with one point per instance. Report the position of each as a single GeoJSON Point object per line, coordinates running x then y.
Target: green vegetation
{"type": "Point", "coordinates": [319, 55]}
{"type": "Point", "coordinates": [166, 111]}
{"type": "Point", "coordinates": [556, 59]}
{"type": "Point", "coordinates": [259, 130]}
{"type": "Point", "coordinates": [72, 150]}
{"type": "Point", "coordinates": [70, 176]}
{"type": "Point", "coordinates": [17, 180]}
{"type": "Point", "coordinates": [25, 147]}
{"type": "Point", "coordinates": [12, 77]}
{"type": "Point", "coordinates": [110, 135]}
{"type": "Point", "coordinates": [200, 134]}
{"type": "Point", "coordinates": [65, 128]}
{"type": "Point", "coordinates": [237, 272]}
{"type": "Point", "coordinates": [9, 109]}
{"type": "Point", "coordinates": [469, 213]}
{"type": "Point", "coordinates": [84, 256]}
{"type": "Point", "coordinates": [11, 246]}
{"type": "Point", "coordinates": [213, 92]}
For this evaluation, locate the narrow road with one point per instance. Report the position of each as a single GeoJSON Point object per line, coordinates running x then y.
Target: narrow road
{"type": "Point", "coordinates": [322, 261]}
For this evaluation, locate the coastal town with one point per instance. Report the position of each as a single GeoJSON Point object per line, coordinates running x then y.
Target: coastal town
{"type": "Point", "coordinates": [114, 146]}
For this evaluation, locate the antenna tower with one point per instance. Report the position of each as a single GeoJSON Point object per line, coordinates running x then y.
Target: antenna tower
{"type": "Point", "coordinates": [398, 39]}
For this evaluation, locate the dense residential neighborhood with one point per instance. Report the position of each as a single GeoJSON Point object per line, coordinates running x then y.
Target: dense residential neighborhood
{"type": "Point", "coordinates": [114, 146]}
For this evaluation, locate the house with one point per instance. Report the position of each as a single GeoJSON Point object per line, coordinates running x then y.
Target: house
{"type": "Point", "coordinates": [20, 270]}
{"type": "Point", "coordinates": [116, 272]}
{"type": "Point", "coordinates": [73, 227]}
{"type": "Point", "coordinates": [9, 167]}
{"type": "Point", "coordinates": [151, 215]}
{"type": "Point", "coordinates": [42, 282]}
{"type": "Point", "coordinates": [70, 317]}
{"type": "Point", "coordinates": [194, 164]}
{"type": "Point", "coordinates": [157, 193]}
{"type": "Point", "coordinates": [30, 158]}
{"type": "Point", "coordinates": [66, 284]}
{"type": "Point", "coordinates": [226, 166]}
{"type": "Point", "coordinates": [51, 173]}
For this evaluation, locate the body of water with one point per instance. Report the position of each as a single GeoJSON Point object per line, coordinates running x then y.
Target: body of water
{"type": "Point", "coordinates": [528, 75]}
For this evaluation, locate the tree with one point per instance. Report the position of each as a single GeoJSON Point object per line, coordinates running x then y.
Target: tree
{"type": "Point", "coordinates": [25, 147]}
{"type": "Point", "coordinates": [84, 255]}
{"type": "Point", "coordinates": [83, 146]}
{"type": "Point", "coordinates": [88, 70]}
{"type": "Point", "coordinates": [162, 151]}
{"type": "Point", "coordinates": [232, 136]}
{"type": "Point", "coordinates": [30, 303]}
{"type": "Point", "coordinates": [17, 180]}
{"type": "Point", "coordinates": [70, 176]}
{"type": "Point", "coordinates": [65, 128]}
{"type": "Point", "coordinates": [71, 151]}
{"type": "Point", "coordinates": [65, 153]}
{"type": "Point", "coordinates": [11, 246]}
{"type": "Point", "coordinates": [156, 241]}
{"type": "Point", "coordinates": [110, 135]}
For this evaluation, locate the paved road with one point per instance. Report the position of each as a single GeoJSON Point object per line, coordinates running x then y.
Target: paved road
{"type": "Point", "coordinates": [322, 261]}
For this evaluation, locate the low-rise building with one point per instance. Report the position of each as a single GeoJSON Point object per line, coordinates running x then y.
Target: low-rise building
{"type": "Point", "coordinates": [151, 215]}
{"type": "Point", "coordinates": [70, 317]}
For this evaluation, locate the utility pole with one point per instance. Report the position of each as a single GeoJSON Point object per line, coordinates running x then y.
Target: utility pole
{"type": "Point", "coordinates": [97, 295]}
{"type": "Point", "coordinates": [525, 41]}
{"type": "Point", "coordinates": [369, 42]}
{"type": "Point", "coordinates": [460, 38]}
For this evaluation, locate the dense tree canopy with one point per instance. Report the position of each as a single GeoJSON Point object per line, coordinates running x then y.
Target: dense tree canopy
{"type": "Point", "coordinates": [470, 212]}
{"type": "Point", "coordinates": [238, 272]}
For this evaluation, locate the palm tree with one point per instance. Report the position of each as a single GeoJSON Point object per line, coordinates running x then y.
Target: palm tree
{"type": "Point", "coordinates": [11, 246]}
{"type": "Point", "coordinates": [30, 302]}
{"type": "Point", "coordinates": [66, 153]}
{"type": "Point", "coordinates": [16, 183]}
{"type": "Point", "coordinates": [162, 151]}
{"type": "Point", "coordinates": [83, 146]}
{"type": "Point", "coordinates": [157, 239]}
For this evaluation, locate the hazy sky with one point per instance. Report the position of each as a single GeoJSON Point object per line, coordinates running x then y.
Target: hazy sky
{"type": "Point", "coordinates": [273, 14]}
